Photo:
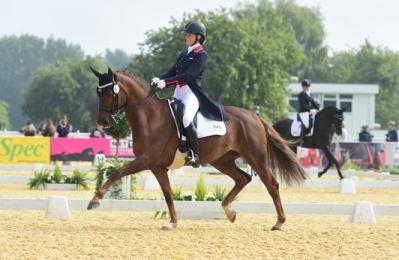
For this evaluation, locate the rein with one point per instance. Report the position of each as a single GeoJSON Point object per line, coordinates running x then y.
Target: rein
{"type": "Point", "coordinates": [114, 107]}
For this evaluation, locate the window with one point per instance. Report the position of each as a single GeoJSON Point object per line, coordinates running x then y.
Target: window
{"type": "Point", "coordinates": [347, 105]}
{"type": "Point", "coordinates": [329, 103]}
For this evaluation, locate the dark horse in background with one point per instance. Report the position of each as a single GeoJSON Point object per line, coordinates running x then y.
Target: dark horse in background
{"type": "Point", "coordinates": [156, 142]}
{"type": "Point", "coordinates": [327, 122]}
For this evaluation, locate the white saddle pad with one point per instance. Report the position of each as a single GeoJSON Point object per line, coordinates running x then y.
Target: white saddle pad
{"type": "Point", "coordinates": [205, 126]}
{"type": "Point", "coordinates": [296, 127]}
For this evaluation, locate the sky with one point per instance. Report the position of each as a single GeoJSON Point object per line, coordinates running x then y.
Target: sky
{"type": "Point", "coordinates": [98, 24]}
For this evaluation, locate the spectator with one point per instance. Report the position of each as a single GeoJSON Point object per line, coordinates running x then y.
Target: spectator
{"type": "Point", "coordinates": [392, 135]}
{"type": "Point", "coordinates": [97, 132]}
{"type": "Point", "coordinates": [48, 128]}
{"type": "Point", "coordinates": [63, 128]}
{"type": "Point", "coordinates": [28, 130]}
{"type": "Point", "coordinates": [364, 135]}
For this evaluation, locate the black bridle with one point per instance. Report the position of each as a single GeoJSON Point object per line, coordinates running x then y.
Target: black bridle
{"type": "Point", "coordinates": [114, 109]}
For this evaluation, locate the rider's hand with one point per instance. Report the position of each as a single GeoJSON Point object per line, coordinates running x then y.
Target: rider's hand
{"type": "Point", "coordinates": [313, 111]}
{"type": "Point", "coordinates": [158, 83]}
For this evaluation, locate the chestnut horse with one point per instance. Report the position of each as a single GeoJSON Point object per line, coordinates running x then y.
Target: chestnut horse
{"type": "Point", "coordinates": [156, 142]}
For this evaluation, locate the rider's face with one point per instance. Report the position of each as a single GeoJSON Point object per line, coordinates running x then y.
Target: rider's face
{"type": "Point", "coordinates": [190, 38]}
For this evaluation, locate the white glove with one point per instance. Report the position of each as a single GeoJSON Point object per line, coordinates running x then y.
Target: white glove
{"type": "Point", "coordinates": [158, 83]}
{"type": "Point", "coordinates": [313, 111]}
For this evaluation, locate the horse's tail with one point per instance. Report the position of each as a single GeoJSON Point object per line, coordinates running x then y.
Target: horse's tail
{"type": "Point", "coordinates": [281, 157]}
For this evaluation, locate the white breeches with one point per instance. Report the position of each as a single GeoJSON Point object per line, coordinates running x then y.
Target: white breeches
{"type": "Point", "coordinates": [190, 101]}
{"type": "Point", "coordinates": [304, 118]}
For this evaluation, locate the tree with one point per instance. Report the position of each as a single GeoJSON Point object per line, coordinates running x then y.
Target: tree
{"type": "Point", "coordinates": [370, 65]}
{"type": "Point", "coordinates": [250, 51]}
{"type": "Point", "coordinates": [119, 129]}
{"type": "Point", "coordinates": [117, 59]}
{"type": "Point", "coordinates": [307, 25]}
{"type": "Point", "coordinates": [20, 57]}
{"type": "Point", "coordinates": [68, 88]}
{"type": "Point", "coordinates": [4, 116]}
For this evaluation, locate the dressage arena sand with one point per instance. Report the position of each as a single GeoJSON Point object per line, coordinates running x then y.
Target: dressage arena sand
{"type": "Point", "coordinates": [128, 235]}
{"type": "Point", "coordinates": [134, 235]}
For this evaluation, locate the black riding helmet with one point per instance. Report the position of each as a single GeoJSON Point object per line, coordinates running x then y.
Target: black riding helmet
{"type": "Point", "coordinates": [196, 28]}
{"type": "Point", "coordinates": [305, 83]}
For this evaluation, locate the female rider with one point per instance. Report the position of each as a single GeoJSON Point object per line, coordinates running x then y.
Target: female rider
{"type": "Point", "coordinates": [186, 76]}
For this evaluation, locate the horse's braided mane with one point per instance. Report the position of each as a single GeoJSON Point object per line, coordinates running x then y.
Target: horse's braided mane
{"type": "Point", "coordinates": [132, 73]}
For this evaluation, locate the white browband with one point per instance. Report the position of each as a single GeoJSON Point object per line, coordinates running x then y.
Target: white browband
{"type": "Point", "coordinates": [106, 85]}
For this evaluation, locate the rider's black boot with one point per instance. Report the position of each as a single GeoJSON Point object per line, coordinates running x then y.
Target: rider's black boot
{"type": "Point", "coordinates": [304, 131]}
{"type": "Point", "coordinates": [192, 157]}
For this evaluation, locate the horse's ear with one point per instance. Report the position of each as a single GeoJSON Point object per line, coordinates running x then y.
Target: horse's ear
{"type": "Point", "coordinates": [110, 72]}
{"type": "Point", "coordinates": [98, 74]}
{"type": "Point", "coordinates": [112, 75]}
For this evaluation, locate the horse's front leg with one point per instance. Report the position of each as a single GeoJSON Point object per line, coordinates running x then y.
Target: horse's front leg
{"type": "Point", "coordinates": [161, 174]}
{"type": "Point", "coordinates": [133, 167]}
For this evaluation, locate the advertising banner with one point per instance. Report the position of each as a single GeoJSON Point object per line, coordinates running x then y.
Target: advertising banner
{"type": "Point", "coordinates": [125, 148]}
{"type": "Point", "coordinates": [365, 155]}
{"type": "Point", "coordinates": [79, 149]}
{"type": "Point", "coordinates": [24, 150]}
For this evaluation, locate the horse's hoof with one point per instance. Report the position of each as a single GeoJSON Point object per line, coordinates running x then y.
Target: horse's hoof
{"type": "Point", "coordinates": [232, 216]}
{"type": "Point", "coordinates": [169, 226]}
{"type": "Point", "coordinates": [319, 174]}
{"type": "Point", "coordinates": [276, 227]}
{"type": "Point", "coordinates": [93, 205]}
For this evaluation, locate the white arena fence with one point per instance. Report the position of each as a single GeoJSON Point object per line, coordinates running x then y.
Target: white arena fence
{"type": "Point", "coordinates": [59, 207]}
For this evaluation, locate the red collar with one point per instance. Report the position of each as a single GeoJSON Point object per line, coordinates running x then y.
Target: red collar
{"type": "Point", "coordinates": [198, 49]}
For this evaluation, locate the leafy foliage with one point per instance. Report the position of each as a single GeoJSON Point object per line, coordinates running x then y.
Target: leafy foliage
{"type": "Point", "coordinates": [200, 190]}
{"type": "Point", "coordinates": [119, 129]}
{"type": "Point", "coordinates": [177, 194]}
{"type": "Point", "coordinates": [349, 165]}
{"type": "Point", "coordinates": [251, 50]}
{"type": "Point", "coordinates": [80, 179]}
{"type": "Point", "coordinates": [40, 178]}
{"type": "Point", "coordinates": [67, 88]}
{"type": "Point", "coordinates": [4, 116]}
{"type": "Point", "coordinates": [117, 59]}
{"type": "Point", "coordinates": [219, 193]}
{"type": "Point", "coordinates": [106, 169]}
{"type": "Point", "coordinates": [393, 170]}
{"type": "Point", "coordinates": [370, 65]}
{"type": "Point", "coordinates": [21, 56]}
{"type": "Point", "coordinates": [57, 174]}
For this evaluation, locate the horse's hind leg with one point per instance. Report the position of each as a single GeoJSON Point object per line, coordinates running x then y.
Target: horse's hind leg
{"type": "Point", "coordinates": [226, 165]}
{"type": "Point", "coordinates": [266, 176]}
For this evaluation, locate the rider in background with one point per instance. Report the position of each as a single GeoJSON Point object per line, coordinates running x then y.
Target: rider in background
{"type": "Point", "coordinates": [186, 75]}
{"type": "Point", "coordinates": [308, 107]}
